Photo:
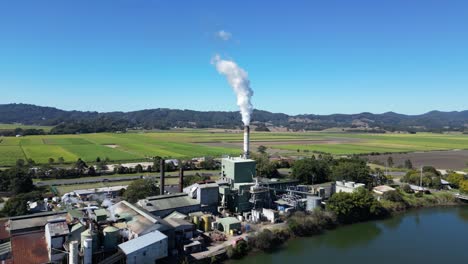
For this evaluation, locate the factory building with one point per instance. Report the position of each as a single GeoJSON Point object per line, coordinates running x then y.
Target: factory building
{"type": "Point", "coordinates": [56, 232]}
{"type": "Point", "coordinates": [207, 194]}
{"type": "Point", "coordinates": [145, 249]}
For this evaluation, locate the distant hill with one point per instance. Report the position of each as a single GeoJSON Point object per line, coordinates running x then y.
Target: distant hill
{"type": "Point", "coordinates": [162, 118]}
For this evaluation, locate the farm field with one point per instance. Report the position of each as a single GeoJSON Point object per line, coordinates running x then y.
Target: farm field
{"type": "Point", "coordinates": [13, 126]}
{"type": "Point", "coordinates": [141, 146]}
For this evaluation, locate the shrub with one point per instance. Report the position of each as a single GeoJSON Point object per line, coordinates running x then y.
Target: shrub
{"type": "Point", "coordinates": [406, 188]}
{"type": "Point", "coordinates": [418, 194]}
{"type": "Point", "coordinates": [393, 196]}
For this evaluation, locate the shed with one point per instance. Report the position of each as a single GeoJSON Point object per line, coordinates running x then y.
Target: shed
{"type": "Point", "coordinates": [228, 224]}
{"type": "Point", "coordinates": [145, 249]}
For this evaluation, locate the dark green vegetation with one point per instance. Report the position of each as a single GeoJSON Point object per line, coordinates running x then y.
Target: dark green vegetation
{"type": "Point", "coordinates": [17, 181]}
{"type": "Point", "coordinates": [89, 122]}
{"type": "Point", "coordinates": [140, 189]}
{"type": "Point", "coordinates": [325, 168]}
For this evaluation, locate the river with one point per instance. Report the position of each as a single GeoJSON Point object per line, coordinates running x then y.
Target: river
{"type": "Point", "coordinates": [432, 235]}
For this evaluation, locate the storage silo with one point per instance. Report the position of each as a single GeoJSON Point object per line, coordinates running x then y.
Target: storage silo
{"type": "Point", "coordinates": [111, 237]}
{"type": "Point", "coordinates": [88, 234]}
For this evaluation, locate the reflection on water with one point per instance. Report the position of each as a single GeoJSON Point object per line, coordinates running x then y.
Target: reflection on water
{"type": "Point", "coordinates": [418, 236]}
{"type": "Point", "coordinates": [351, 236]}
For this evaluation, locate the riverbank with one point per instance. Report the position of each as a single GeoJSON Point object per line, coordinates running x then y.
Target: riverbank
{"type": "Point", "coordinates": [301, 225]}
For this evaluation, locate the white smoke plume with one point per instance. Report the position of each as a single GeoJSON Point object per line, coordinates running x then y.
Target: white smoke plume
{"type": "Point", "coordinates": [239, 81]}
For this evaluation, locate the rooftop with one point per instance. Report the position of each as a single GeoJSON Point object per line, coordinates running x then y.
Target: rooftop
{"type": "Point", "coordinates": [58, 228]}
{"type": "Point", "coordinates": [100, 190]}
{"type": "Point", "coordinates": [34, 220]}
{"type": "Point", "coordinates": [164, 202]}
{"type": "Point", "coordinates": [176, 214]}
{"type": "Point", "coordinates": [30, 248]}
{"type": "Point", "coordinates": [239, 160]}
{"type": "Point", "coordinates": [137, 219]}
{"type": "Point", "coordinates": [177, 222]}
{"type": "Point", "coordinates": [141, 242]}
{"type": "Point", "coordinates": [228, 220]}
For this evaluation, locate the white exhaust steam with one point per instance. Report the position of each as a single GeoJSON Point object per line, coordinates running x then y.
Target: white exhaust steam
{"type": "Point", "coordinates": [239, 81]}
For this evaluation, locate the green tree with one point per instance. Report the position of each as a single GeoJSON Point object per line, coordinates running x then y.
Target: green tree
{"type": "Point", "coordinates": [357, 206]}
{"type": "Point", "coordinates": [51, 160]}
{"type": "Point", "coordinates": [408, 164]}
{"type": "Point", "coordinates": [310, 170]}
{"type": "Point", "coordinates": [265, 168]}
{"type": "Point", "coordinates": [61, 160]}
{"type": "Point", "coordinates": [20, 180]}
{"type": "Point", "coordinates": [80, 166]}
{"type": "Point", "coordinates": [455, 179]}
{"type": "Point", "coordinates": [390, 161]}
{"type": "Point", "coordinates": [464, 186]}
{"type": "Point", "coordinates": [261, 149]}
{"type": "Point", "coordinates": [351, 170]}
{"type": "Point", "coordinates": [138, 168]}
{"type": "Point", "coordinates": [140, 189]}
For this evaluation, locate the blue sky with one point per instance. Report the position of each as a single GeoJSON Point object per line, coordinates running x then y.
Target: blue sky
{"type": "Point", "coordinates": [316, 57]}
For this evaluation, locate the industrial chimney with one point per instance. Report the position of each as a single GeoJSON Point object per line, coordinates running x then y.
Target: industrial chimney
{"type": "Point", "coordinates": [181, 179]}
{"type": "Point", "coordinates": [246, 142]}
{"type": "Point", "coordinates": [162, 167]}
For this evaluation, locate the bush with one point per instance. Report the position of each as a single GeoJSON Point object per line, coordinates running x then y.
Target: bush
{"type": "Point", "coordinates": [267, 240]}
{"type": "Point", "coordinates": [406, 188]}
{"type": "Point", "coordinates": [418, 194]}
{"type": "Point", "coordinates": [302, 224]}
{"type": "Point", "coordinates": [241, 249]}
{"type": "Point", "coordinates": [393, 196]}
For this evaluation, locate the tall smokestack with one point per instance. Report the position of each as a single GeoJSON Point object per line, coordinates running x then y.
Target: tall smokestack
{"type": "Point", "coordinates": [161, 184]}
{"type": "Point", "coordinates": [246, 142]}
{"type": "Point", "coordinates": [181, 179]}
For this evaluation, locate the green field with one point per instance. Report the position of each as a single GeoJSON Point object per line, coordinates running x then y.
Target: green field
{"type": "Point", "coordinates": [13, 126]}
{"type": "Point", "coordinates": [141, 146]}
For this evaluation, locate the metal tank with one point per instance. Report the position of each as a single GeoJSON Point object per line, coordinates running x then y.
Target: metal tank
{"type": "Point", "coordinates": [88, 234]}
{"type": "Point", "coordinates": [111, 237]}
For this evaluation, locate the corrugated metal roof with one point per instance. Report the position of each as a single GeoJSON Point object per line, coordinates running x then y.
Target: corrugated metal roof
{"type": "Point", "coordinates": [58, 228]}
{"type": "Point", "coordinates": [100, 212]}
{"type": "Point", "coordinates": [176, 214]}
{"type": "Point", "coordinates": [34, 220]}
{"type": "Point", "coordinates": [5, 248]}
{"type": "Point", "coordinates": [228, 220]}
{"type": "Point", "coordinates": [141, 242]}
{"type": "Point", "coordinates": [166, 202]}
{"type": "Point", "coordinates": [137, 220]}
{"type": "Point", "coordinates": [30, 248]}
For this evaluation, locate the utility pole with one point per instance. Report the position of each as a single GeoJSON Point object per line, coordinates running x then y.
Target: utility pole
{"type": "Point", "coordinates": [420, 178]}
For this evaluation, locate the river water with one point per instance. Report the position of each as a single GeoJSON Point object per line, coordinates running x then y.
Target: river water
{"type": "Point", "coordinates": [433, 235]}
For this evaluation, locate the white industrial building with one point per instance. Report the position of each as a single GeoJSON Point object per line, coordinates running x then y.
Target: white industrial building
{"type": "Point", "coordinates": [145, 249]}
{"type": "Point", "coordinates": [347, 186]}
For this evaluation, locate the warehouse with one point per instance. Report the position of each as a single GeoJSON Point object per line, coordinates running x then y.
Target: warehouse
{"type": "Point", "coordinates": [145, 249]}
